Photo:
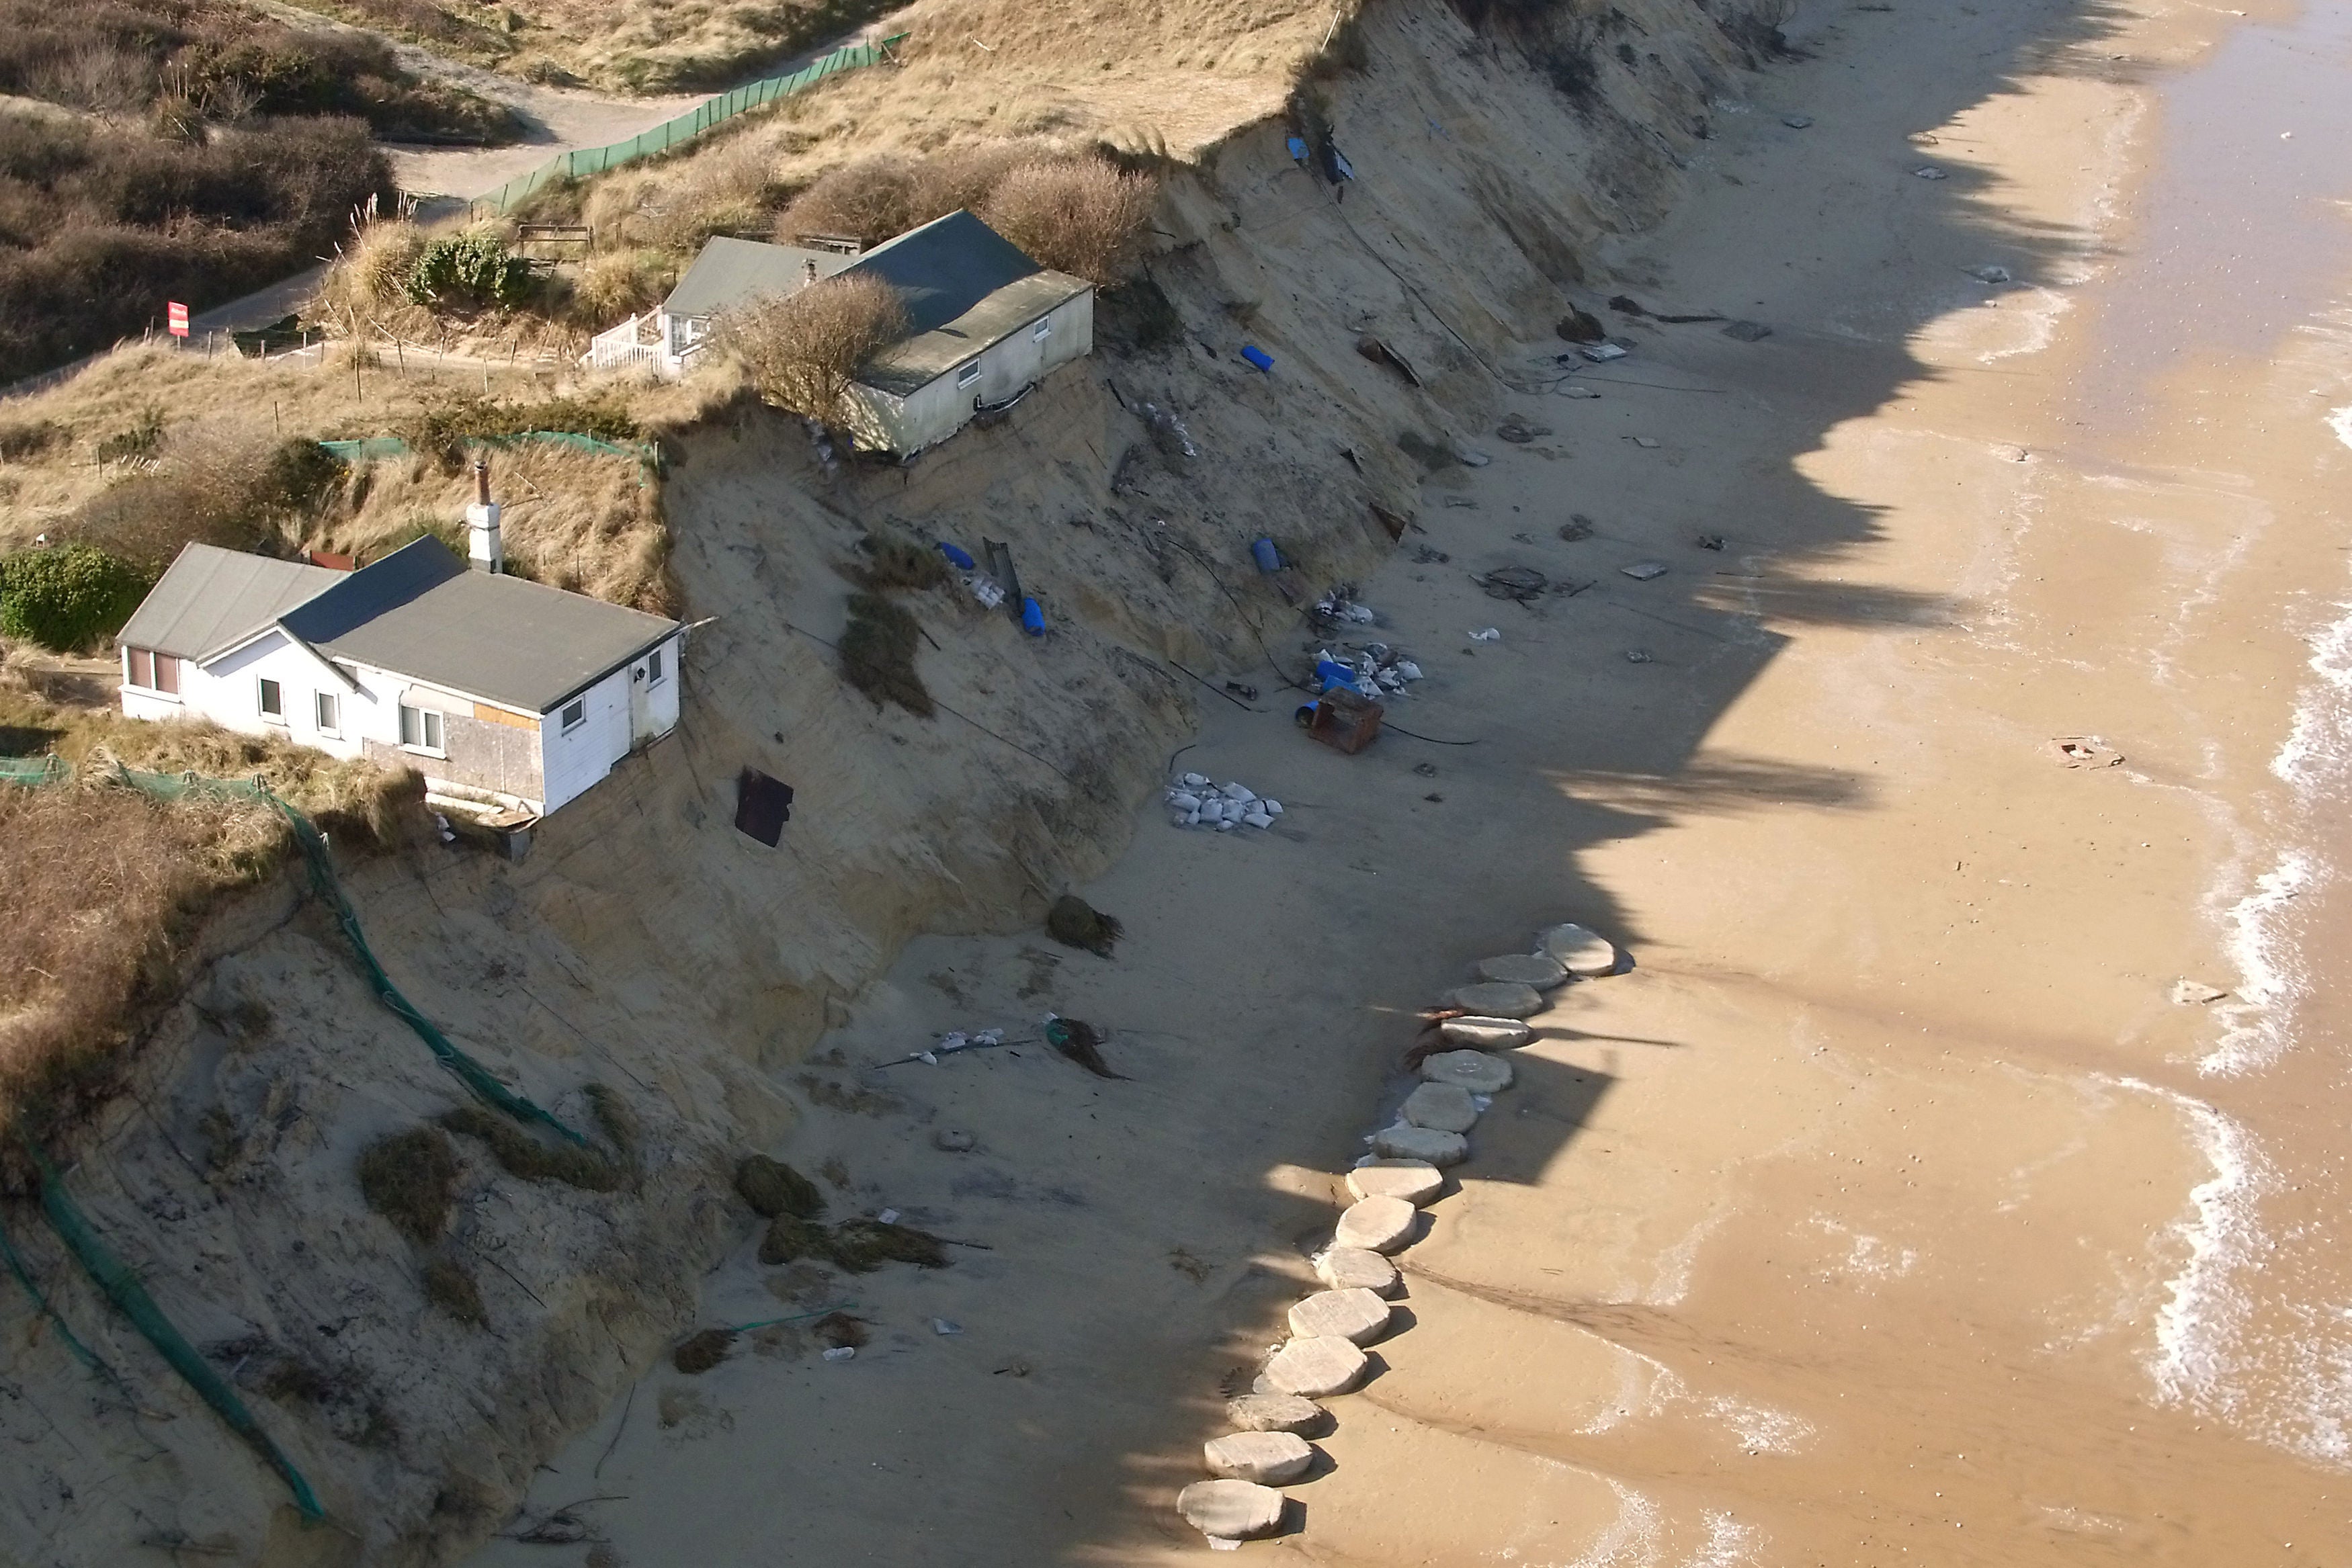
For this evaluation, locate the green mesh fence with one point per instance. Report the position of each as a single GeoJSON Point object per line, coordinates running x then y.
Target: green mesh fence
{"type": "Point", "coordinates": [131, 1299]}
{"type": "Point", "coordinates": [370, 448]}
{"type": "Point", "coordinates": [581, 162]}
{"type": "Point", "coordinates": [115, 1279]}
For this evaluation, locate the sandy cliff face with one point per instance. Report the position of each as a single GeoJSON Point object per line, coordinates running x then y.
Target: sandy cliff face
{"type": "Point", "coordinates": [647, 945]}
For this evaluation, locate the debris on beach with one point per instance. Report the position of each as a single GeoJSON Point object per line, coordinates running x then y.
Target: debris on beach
{"type": "Point", "coordinates": [1747, 331]}
{"type": "Point", "coordinates": [1798, 121]}
{"type": "Point", "coordinates": [1708, 542]}
{"type": "Point", "coordinates": [1601, 353]}
{"type": "Point", "coordinates": [1639, 656]}
{"type": "Point", "coordinates": [1578, 526]}
{"type": "Point", "coordinates": [2195, 994]}
{"type": "Point", "coordinates": [1518, 432]}
{"type": "Point", "coordinates": [1487, 634]}
{"type": "Point", "coordinates": [1365, 668]}
{"type": "Point", "coordinates": [1195, 803]}
{"type": "Point", "coordinates": [1581, 326]}
{"type": "Point", "coordinates": [2087, 751]}
{"type": "Point", "coordinates": [1519, 583]}
{"type": "Point", "coordinates": [1081, 1042]}
{"type": "Point", "coordinates": [1644, 570]}
{"type": "Point", "coordinates": [1338, 608]}
{"type": "Point", "coordinates": [1929, 172]}
{"type": "Point", "coordinates": [1075, 923]}
{"type": "Point", "coordinates": [699, 1353]}
{"type": "Point", "coordinates": [773, 1187]}
{"type": "Point", "coordinates": [1990, 273]}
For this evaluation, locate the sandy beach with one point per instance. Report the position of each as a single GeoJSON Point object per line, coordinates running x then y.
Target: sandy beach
{"type": "Point", "coordinates": [1889, 1207]}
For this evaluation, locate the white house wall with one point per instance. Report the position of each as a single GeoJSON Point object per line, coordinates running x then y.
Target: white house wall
{"type": "Point", "coordinates": [573, 761]}
{"type": "Point", "coordinates": [932, 412]}
{"type": "Point", "coordinates": [228, 692]}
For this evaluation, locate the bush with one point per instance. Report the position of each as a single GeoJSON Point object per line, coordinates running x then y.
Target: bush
{"type": "Point", "coordinates": [473, 268]}
{"type": "Point", "coordinates": [443, 428]}
{"type": "Point", "coordinates": [66, 597]}
{"type": "Point", "coordinates": [1081, 217]}
{"type": "Point", "coordinates": [801, 350]}
{"type": "Point", "coordinates": [877, 654]}
{"type": "Point", "coordinates": [410, 1179]}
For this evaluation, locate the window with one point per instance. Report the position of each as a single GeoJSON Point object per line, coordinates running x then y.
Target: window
{"type": "Point", "coordinates": [167, 674]}
{"type": "Point", "coordinates": [420, 729]}
{"type": "Point", "coordinates": [155, 671]}
{"type": "Point", "coordinates": [575, 715]}
{"type": "Point", "coordinates": [330, 712]}
{"type": "Point", "coordinates": [652, 668]}
{"type": "Point", "coordinates": [143, 668]}
{"type": "Point", "coordinates": [272, 700]}
{"type": "Point", "coordinates": [968, 374]}
{"type": "Point", "coordinates": [1041, 332]}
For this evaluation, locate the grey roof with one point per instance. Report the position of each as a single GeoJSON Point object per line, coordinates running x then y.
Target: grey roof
{"type": "Point", "coordinates": [212, 598]}
{"type": "Point", "coordinates": [731, 272]}
{"type": "Point", "coordinates": [916, 362]}
{"type": "Point", "coordinates": [944, 269]}
{"type": "Point", "coordinates": [421, 612]}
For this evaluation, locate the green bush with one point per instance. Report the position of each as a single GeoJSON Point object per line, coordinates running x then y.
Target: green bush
{"type": "Point", "coordinates": [469, 268]}
{"type": "Point", "coordinates": [68, 597]}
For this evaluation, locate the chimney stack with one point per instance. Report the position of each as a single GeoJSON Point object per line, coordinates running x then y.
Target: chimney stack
{"type": "Point", "coordinates": [483, 551]}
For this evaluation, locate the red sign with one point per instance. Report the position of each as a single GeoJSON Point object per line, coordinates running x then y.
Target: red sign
{"type": "Point", "coordinates": [176, 315]}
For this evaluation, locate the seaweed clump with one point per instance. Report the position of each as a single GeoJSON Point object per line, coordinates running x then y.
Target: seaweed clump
{"type": "Point", "coordinates": [1075, 923]}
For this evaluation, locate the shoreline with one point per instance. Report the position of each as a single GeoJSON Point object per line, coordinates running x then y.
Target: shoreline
{"type": "Point", "coordinates": [1866, 1153]}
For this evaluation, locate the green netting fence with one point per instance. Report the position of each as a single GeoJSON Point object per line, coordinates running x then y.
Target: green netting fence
{"type": "Point", "coordinates": [113, 1277]}
{"type": "Point", "coordinates": [367, 449]}
{"type": "Point", "coordinates": [581, 162]}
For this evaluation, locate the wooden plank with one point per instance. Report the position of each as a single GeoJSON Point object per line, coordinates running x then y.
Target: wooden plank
{"type": "Point", "coordinates": [507, 716]}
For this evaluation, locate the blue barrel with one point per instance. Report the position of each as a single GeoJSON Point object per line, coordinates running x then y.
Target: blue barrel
{"type": "Point", "coordinates": [956, 558]}
{"type": "Point", "coordinates": [1032, 618]}
{"type": "Point", "coordinates": [1258, 356]}
{"type": "Point", "coordinates": [1268, 558]}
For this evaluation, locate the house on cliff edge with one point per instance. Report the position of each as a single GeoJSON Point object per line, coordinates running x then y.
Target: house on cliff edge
{"type": "Point", "coordinates": [986, 323]}
{"type": "Point", "coordinates": [500, 692]}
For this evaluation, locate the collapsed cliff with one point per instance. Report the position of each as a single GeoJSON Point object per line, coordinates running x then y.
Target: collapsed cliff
{"type": "Point", "coordinates": [645, 945]}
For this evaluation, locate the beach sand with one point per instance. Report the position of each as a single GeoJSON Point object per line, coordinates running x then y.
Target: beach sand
{"type": "Point", "coordinates": [1888, 1209]}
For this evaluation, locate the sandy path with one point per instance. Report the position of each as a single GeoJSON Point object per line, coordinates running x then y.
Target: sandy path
{"type": "Point", "coordinates": [1863, 1222]}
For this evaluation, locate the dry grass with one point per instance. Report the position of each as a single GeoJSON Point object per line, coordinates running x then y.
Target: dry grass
{"type": "Point", "coordinates": [773, 1187]}
{"type": "Point", "coordinates": [410, 1179]}
{"type": "Point", "coordinates": [106, 886]}
{"type": "Point", "coordinates": [801, 350]}
{"type": "Point", "coordinates": [582, 521]}
{"type": "Point", "coordinates": [877, 654]}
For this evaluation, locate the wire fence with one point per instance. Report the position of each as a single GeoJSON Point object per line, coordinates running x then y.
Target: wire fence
{"type": "Point", "coordinates": [581, 162]}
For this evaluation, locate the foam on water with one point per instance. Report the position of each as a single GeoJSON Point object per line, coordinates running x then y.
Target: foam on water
{"type": "Point", "coordinates": [2202, 1312]}
{"type": "Point", "coordinates": [2340, 421]}
{"type": "Point", "coordinates": [2256, 1018]}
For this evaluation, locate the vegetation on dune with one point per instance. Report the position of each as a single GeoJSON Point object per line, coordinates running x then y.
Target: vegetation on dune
{"type": "Point", "coordinates": [192, 62]}
{"type": "Point", "coordinates": [801, 350]}
{"type": "Point", "coordinates": [107, 886]}
{"type": "Point", "coordinates": [101, 222]}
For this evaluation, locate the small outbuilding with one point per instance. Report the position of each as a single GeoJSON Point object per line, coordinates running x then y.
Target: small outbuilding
{"type": "Point", "coordinates": [986, 323]}
{"type": "Point", "coordinates": [500, 692]}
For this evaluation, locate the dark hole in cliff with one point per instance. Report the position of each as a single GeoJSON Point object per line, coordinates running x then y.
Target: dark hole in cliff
{"type": "Point", "coordinates": [762, 806]}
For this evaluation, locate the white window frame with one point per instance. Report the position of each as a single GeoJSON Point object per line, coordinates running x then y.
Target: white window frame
{"type": "Point", "coordinates": [261, 688]}
{"type": "Point", "coordinates": [327, 711]}
{"type": "Point", "coordinates": [575, 714]}
{"type": "Point", "coordinates": [148, 685]}
{"type": "Point", "coordinates": [967, 374]}
{"type": "Point", "coordinates": [432, 730]}
{"type": "Point", "coordinates": [1042, 330]}
{"type": "Point", "coordinates": [655, 674]}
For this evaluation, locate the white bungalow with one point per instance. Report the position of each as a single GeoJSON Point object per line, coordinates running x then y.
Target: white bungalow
{"type": "Point", "coordinates": [986, 323]}
{"type": "Point", "coordinates": [500, 692]}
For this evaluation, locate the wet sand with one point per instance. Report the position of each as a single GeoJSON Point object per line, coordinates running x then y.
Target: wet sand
{"type": "Point", "coordinates": [1889, 1209]}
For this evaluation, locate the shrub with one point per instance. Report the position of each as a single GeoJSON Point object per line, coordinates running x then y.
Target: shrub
{"type": "Point", "coordinates": [801, 350]}
{"type": "Point", "coordinates": [1081, 217]}
{"type": "Point", "coordinates": [473, 268]}
{"type": "Point", "coordinates": [66, 597]}
{"type": "Point", "coordinates": [448, 1287]}
{"type": "Point", "coordinates": [28, 438]}
{"type": "Point", "coordinates": [410, 1179]}
{"type": "Point", "coordinates": [877, 654]}
{"type": "Point", "coordinates": [442, 428]}
{"type": "Point", "coordinates": [620, 283]}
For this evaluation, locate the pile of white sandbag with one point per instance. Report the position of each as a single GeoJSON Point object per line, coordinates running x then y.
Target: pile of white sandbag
{"type": "Point", "coordinates": [1194, 802]}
